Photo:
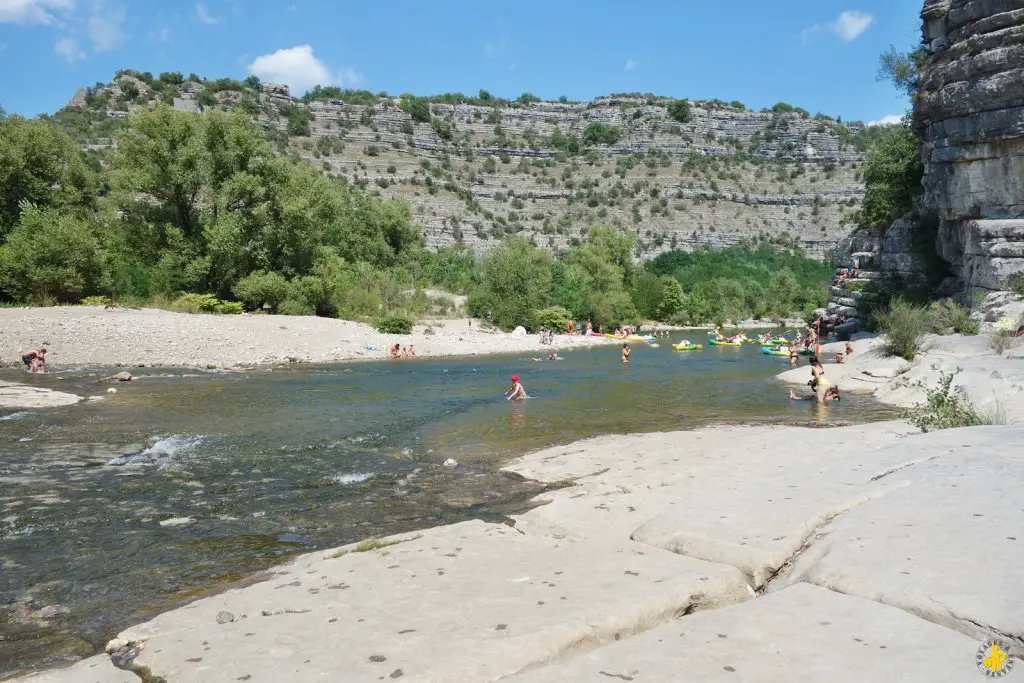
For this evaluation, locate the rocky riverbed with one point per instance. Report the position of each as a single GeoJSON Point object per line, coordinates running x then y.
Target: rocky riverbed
{"type": "Point", "coordinates": [776, 553]}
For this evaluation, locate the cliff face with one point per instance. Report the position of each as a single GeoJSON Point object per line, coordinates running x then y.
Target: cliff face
{"type": "Point", "coordinates": [477, 173]}
{"type": "Point", "coordinates": [970, 115]}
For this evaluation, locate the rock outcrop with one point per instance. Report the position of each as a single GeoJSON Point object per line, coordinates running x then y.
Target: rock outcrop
{"type": "Point", "coordinates": [476, 172]}
{"type": "Point", "coordinates": [969, 112]}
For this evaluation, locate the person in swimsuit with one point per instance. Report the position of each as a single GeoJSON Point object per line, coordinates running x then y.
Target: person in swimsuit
{"type": "Point", "coordinates": [412, 351]}
{"type": "Point", "coordinates": [34, 360]}
{"type": "Point", "coordinates": [395, 351]}
{"type": "Point", "coordinates": [516, 392]}
{"type": "Point", "coordinates": [849, 349]}
{"type": "Point", "coordinates": [824, 394]}
{"type": "Point", "coordinates": [794, 359]}
{"type": "Point", "coordinates": [625, 353]}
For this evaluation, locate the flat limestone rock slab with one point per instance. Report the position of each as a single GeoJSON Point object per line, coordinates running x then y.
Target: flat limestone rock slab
{"type": "Point", "coordinates": [746, 496]}
{"type": "Point", "coordinates": [14, 395]}
{"type": "Point", "coordinates": [947, 544]}
{"type": "Point", "coordinates": [803, 633]}
{"type": "Point", "coordinates": [468, 602]}
{"type": "Point", "coordinates": [96, 669]}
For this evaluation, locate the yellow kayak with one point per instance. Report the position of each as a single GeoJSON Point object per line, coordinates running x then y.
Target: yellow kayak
{"type": "Point", "coordinates": [687, 347]}
{"type": "Point", "coordinates": [715, 342]}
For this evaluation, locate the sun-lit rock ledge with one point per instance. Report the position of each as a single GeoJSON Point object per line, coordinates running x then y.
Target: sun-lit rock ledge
{"type": "Point", "coordinates": [882, 549]}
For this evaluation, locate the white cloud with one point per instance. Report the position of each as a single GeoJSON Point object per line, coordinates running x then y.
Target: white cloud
{"type": "Point", "coordinates": [69, 50]}
{"type": "Point", "coordinates": [296, 67]}
{"type": "Point", "coordinates": [105, 28]}
{"type": "Point", "coordinates": [848, 26]}
{"type": "Point", "coordinates": [204, 15]}
{"type": "Point", "coordinates": [630, 64]}
{"type": "Point", "coordinates": [33, 11]}
{"type": "Point", "coordinates": [851, 24]}
{"type": "Point", "coordinates": [888, 120]}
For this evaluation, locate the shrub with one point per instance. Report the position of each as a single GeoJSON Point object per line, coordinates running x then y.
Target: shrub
{"type": "Point", "coordinates": [904, 325]}
{"type": "Point", "coordinates": [1001, 336]}
{"type": "Point", "coordinates": [229, 308]}
{"type": "Point", "coordinates": [680, 111]}
{"type": "Point", "coordinates": [553, 318]}
{"type": "Point", "coordinates": [395, 324]}
{"type": "Point", "coordinates": [262, 289]}
{"type": "Point", "coordinates": [195, 303]}
{"type": "Point", "coordinates": [94, 301]}
{"type": "Point", "coordinates": [949, 316]}
{"type": "Point", "coordinates": [418, 108]}
{"type": "Point", "coordinates": [293, 306]}
{"type": "Point", "coordinates": [945, 407]}
{"type": "Point", "coordinates": [600, 134]}
{"type": "Point", "coordinates": [1017, 284]}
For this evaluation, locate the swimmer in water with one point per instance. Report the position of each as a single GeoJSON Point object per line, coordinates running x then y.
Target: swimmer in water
{"type": "Point", "coordinates": [516, 392]}
{"type": "Point", "coordinates": [625, 353]}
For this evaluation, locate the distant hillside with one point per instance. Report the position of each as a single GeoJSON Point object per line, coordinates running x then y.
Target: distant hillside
{"type": "Point", "coordinates": [680, 174]}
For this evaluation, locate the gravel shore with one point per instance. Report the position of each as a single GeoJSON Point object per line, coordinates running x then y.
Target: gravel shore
{"type": "Point", "coordinates": [90, 335]}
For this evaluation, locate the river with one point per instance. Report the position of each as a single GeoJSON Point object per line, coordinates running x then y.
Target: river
{"type": "Point", "coordinates": [183, 482]}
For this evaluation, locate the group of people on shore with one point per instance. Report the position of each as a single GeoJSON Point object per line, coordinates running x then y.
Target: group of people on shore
{"type": "Point", "coordinates": [398, 351]}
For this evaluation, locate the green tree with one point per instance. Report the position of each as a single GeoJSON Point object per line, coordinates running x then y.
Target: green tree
{"type": "Point", "coordinates": [673, 299]}
{"type": "Point", "coordinates": [418, 108]}
{"type": "Point", "coordinates": [51, 257]}
{"type": "Point", "coordinates": [892, 176]}
{"type": "Point", "coordinates": [902, 69]}
{"type": "Point", "coordinates": [680, 111]}
{"type": "Point", "coordinates": [600, 134]}
{"type": "Point", "coordinates": [648, 294]}
{"type": "Point", "coordinates": [516, 282]}
{"type": "Point", "coordinates": [40, 165]}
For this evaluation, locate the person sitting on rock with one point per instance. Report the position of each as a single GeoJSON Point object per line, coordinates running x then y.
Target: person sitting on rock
{"type": "Point", "coordinates": [412, 351]}
{"type": "Point", "coordinates": [849, 349]}
{"type": "Point", "coordinates": [395, 351]}
{"type": "Point", "coordinates": [34, 360]}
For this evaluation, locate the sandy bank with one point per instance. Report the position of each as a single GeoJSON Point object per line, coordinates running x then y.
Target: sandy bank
{"type": "Point", "coordinates": [779, 553]}
{"type": "Point", "coordinates": [83, 335]}
{"type": "Point", "coordinates": [994, 383]}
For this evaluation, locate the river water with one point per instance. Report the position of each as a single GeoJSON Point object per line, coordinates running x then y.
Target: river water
{"type": "Point", "coordinates": [183, 482]}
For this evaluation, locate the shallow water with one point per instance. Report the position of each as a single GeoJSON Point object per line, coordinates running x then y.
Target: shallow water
{"type": "Point", "coordinates": [183, 481]}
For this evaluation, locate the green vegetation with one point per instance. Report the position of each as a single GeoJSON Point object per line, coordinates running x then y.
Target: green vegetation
{"type": "Point", "coordinates": [946, 406]}
{"type": "Point", "coordinates": [680, 111]}
{"type": "Point", "coordinates": [904, 326]}
{"type": "Point", "coordinates": [949, 317]}
{"type": "Point", "coordinates": [600, 134]}
{"type": "Point", "coordinates": [892, 176]}
{"type": "Point", "coordinates": [395, 324]}
{"type": "Point", "coordinates": [1001, 338]}
{"type": "Point", "coordinates": [418, 108]}
{"type": "Point", "coordinates": [322, 93]}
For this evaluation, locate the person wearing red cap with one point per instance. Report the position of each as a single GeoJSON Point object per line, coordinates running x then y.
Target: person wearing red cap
{"type": "Point", "coordinates": [516, 392]}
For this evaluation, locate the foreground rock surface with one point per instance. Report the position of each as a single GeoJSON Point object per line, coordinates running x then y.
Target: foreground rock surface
{"type": "Point", "coordinates": [469, 602]}
{"type": "Point", "coordinates": [98, 669]}
{"type": "Point", "coordinates": [657, 547]}
{"type": "Point", "coordinates": [16, 395]}
{"type": "Point", "coordinates": [90, 335]}
{"type": "Point", "coordinates": [803, 633]}
{"type": "Point", "coordinates": [946, 544]}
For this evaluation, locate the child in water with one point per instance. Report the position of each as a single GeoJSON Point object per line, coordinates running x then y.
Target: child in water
{"type": "Point", "coordinates": [625, 353]}
{"type": "Point", "coordinates": [516, 392]}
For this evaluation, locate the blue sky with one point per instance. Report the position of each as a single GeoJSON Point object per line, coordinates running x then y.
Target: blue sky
{"type": "Point", "coordinates": [818, 54]}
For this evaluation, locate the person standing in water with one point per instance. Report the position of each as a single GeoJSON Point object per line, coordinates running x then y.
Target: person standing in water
{"type": "Point", "coordinates": [625, 352]}
{"type": "Point", "coordinates": [516, 392]}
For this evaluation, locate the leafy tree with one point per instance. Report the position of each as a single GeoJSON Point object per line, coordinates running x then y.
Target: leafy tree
{"type": "Point", "coordinates": [600, 134]}
{"type": "Point", "coordinates": [680, 111]}
{"type": "Point", "coordinates": [485, 96]}
{"type": "Point", "coordinates": [902, 69]}
{"type": "Point", "coordinates": [648, 294]}
{"type": "Point", "coordinates": [51, 257]}
{"type": "Point", "coordinates": [262, 289]}
{"type": "Point", "coordinates": [892, 175]}
{"type": "Point", "coordinates": [527, 98]}
{"type": "Point", "coordinates": [673, 299]}
{"type": "Point", "coordinates": [418, 108]}
{"type": "Point", "coordinates": [555, 318]}
{"type": "Point", "coordinates": [516, 282]}
{"type": "Point", "coordinates": [39, 164]}
{"type": "Point", "coordinates": [253, 81]}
